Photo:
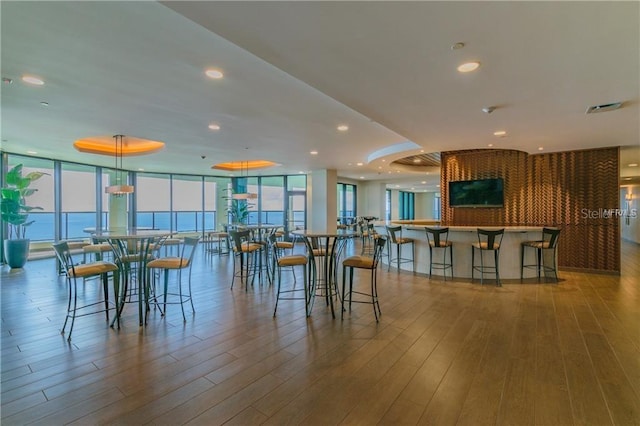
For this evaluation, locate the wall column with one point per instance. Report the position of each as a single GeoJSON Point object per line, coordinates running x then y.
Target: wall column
{"type": "Point", "coordinates": [322, 196]}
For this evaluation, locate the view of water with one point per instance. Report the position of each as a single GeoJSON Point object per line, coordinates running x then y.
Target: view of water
{"type": "Point", "coordinates": [73, 224]}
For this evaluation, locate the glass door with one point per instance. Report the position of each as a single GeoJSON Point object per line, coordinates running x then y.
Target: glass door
{"type": "Point", "coordinates": [296, 213]}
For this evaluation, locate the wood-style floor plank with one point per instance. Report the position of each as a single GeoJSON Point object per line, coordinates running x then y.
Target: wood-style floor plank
{"type": "Point", "coordinates": [452, 352]}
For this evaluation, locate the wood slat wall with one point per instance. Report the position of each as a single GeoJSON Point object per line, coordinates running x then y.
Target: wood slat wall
{"type": "Point", "coordinates": [555, 189]}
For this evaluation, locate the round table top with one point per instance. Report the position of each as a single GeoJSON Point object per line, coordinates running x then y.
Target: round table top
{"type": "Point", "coordinates": [324, 233]}
{"type": "Point", "coordinates": [132, 234]}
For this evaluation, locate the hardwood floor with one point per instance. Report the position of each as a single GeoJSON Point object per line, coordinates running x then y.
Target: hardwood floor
{"type": "Point", "coordinates": [443, 353]}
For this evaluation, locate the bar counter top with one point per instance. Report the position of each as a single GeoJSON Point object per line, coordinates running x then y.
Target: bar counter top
{"type": "Point", "coordinates": [462, 237]}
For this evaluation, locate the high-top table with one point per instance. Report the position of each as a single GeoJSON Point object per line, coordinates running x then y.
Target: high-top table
{"type": "Point", "coordinates": [332, 242]}
{"type": "Point", "coordinates": [133, 246]}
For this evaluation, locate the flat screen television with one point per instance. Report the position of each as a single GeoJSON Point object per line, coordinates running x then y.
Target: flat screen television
{"type": "Point", "coordinates": [476, 193]}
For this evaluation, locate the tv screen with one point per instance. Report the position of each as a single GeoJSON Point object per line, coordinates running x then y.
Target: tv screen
{"type": "Point", "coordinates": [476, 193]}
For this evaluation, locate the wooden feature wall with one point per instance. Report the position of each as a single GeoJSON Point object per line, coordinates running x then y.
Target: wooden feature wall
{"type": "Point", "coordinates": [572, 190]}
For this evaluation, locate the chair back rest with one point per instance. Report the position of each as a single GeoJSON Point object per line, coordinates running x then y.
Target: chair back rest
{"type": "Point", "coordinates": [189, 248]}
{"type": "Point", "coordinates": [363, 227]}
{"type": "Point", "coordinates": [64, 256]}
{"type": "Point", "coordinates": [394, 232]}
{"type": "Point", "coordinates": [272, 239]}
{"type": "Point", "coordinates": [240, 237]}
{"type": "Point", "coordinates": [437, 236]}
{"type": "Point", "coordinates": [380, 242]}
{"type": "Point", "coordinates": [550, 236]}
{"type": "Point", "coordinates": [492, 238]}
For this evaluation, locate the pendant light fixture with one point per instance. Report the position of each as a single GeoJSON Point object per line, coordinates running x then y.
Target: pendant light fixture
{"type": "Point", "coordinates": [244, 195]}
{"type": "Point", "coordinates": [120, 188]}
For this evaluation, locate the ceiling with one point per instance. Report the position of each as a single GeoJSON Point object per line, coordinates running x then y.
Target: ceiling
{"type": "Point", "coordinates": [294, 71]}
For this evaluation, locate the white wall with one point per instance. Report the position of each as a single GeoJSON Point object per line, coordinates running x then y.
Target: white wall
{"type": "Point", "coordinates": [630, 227]}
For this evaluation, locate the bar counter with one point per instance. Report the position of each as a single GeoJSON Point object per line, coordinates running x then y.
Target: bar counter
{"type": "Point", "coordinates": [462, 237]}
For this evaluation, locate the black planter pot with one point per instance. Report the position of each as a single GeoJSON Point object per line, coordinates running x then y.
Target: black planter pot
{"type": "Point", "coordinates": [16, 252]}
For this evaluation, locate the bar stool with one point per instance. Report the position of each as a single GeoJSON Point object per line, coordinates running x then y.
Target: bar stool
{"type": "Point", "coordinates": [548, 243]}
{"type": "Point", "coordinates": [249, 254]}
{"type": "Point", "coordinates": [363, 262]}
{"type": "Point", "coordinates": [488, 240]}
{"type": "Point", "coordinates": [94, 269]}
{"type": "Point", "coordinates": [438, 238]}
{"type": "Point", "coordinates": [179, 263]}
{"type": "Point", "coordinates": [395, 238]}
{"type": "Point", "coordinates": [282, 261]}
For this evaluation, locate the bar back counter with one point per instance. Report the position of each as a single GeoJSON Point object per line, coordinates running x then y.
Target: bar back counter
{"type": "Point", "coordinates": [462, 237]}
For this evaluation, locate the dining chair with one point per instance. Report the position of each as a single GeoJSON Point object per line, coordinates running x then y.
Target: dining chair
{"type": "Point", "coordinates": [290, 261]}
{"type": "Point", "coordinates": [547, 245]}
{"type": "Point", "coordinates": [367, 263]}
{"type": "Point", "coordinates": [74, 271]}
{"type": "Point", "coordinates": [179, 264]}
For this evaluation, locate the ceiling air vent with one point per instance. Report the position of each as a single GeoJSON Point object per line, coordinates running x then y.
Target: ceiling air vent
{"type": "Point", "coordinates": [603, 108]}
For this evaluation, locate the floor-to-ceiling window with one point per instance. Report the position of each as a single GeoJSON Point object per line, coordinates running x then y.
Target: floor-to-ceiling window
{"type": "Point", "coordinates": [44, 221]}
{"type": "Point", "coordinates": [346, 203]}
{"type": "Point", "coordinates": [78, 200]}
{"type": "Point", "coordinates": [73, 199]}
{"type": "Point", "coordinates": [272, 200]}
{"type": "Point", "coordinates": [186, 203]}
{"type": "Point", "coordinates": [406, 205]}
{"type": "Point", "coordinates": [153, 201]}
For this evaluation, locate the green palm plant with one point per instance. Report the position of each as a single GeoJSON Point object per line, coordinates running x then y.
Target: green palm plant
{"type": "Point", "coordinates": [13, 206]}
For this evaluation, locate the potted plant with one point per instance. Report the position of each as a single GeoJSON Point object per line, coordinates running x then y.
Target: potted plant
{"type": "Point", "coordinates": [15, 212]}
{"type": "Point", "coordinates": [237, 209]}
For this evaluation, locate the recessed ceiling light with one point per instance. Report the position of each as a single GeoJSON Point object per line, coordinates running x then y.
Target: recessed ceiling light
{"type": "Point", "coordinates": [313, 152]}
{"type": "Point", "coordinates": [423, 182]}
{"type": "Point", "coordinates": [490, 145]}
{"type": "Point", "coordinates": [383, 160]}
{"type": "Point", "coordinates": [469, 66]}
{"type": "Point", "coordinates": [358, 164]}
{"type": "Point", "coordinates": [214, 73]}
{"type": "Point", "coordinates": [379, 167]}
{"type": "Point", "coordinates": [500, 133]}
{"type": "Point", "coordinates": [397, 186]}
{"type": "Point", "coordinates": [437, 186]}
{"type": "Point", "coordinates": [540, 148]}
{"type": "Point", "coordinates": [361, 177]}
{"type": "Point", "coordinates": [141, 170]}
{"type": "Point", "coordinates": [31, 79]}
{"type": "Point", "coordinates": [214, 126]}
{"type": "Point", "coordinates": [633, 165]}
{"type": "Point", "coordinates": [32, 152]}
{"type": "Point", "coordinates": [343, 127]}
{"type": "Point", "coordinates": [626, 179]}
{"type": "Point", "coordinates": [422, 150]}
{"type": "Point", "coordinates": [458, 45]}
{"type": "Point", "coordinates": [301, 172]}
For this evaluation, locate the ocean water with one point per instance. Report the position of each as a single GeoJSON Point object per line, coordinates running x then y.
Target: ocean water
{"type": "Point", "coordinates": [74, 223]}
